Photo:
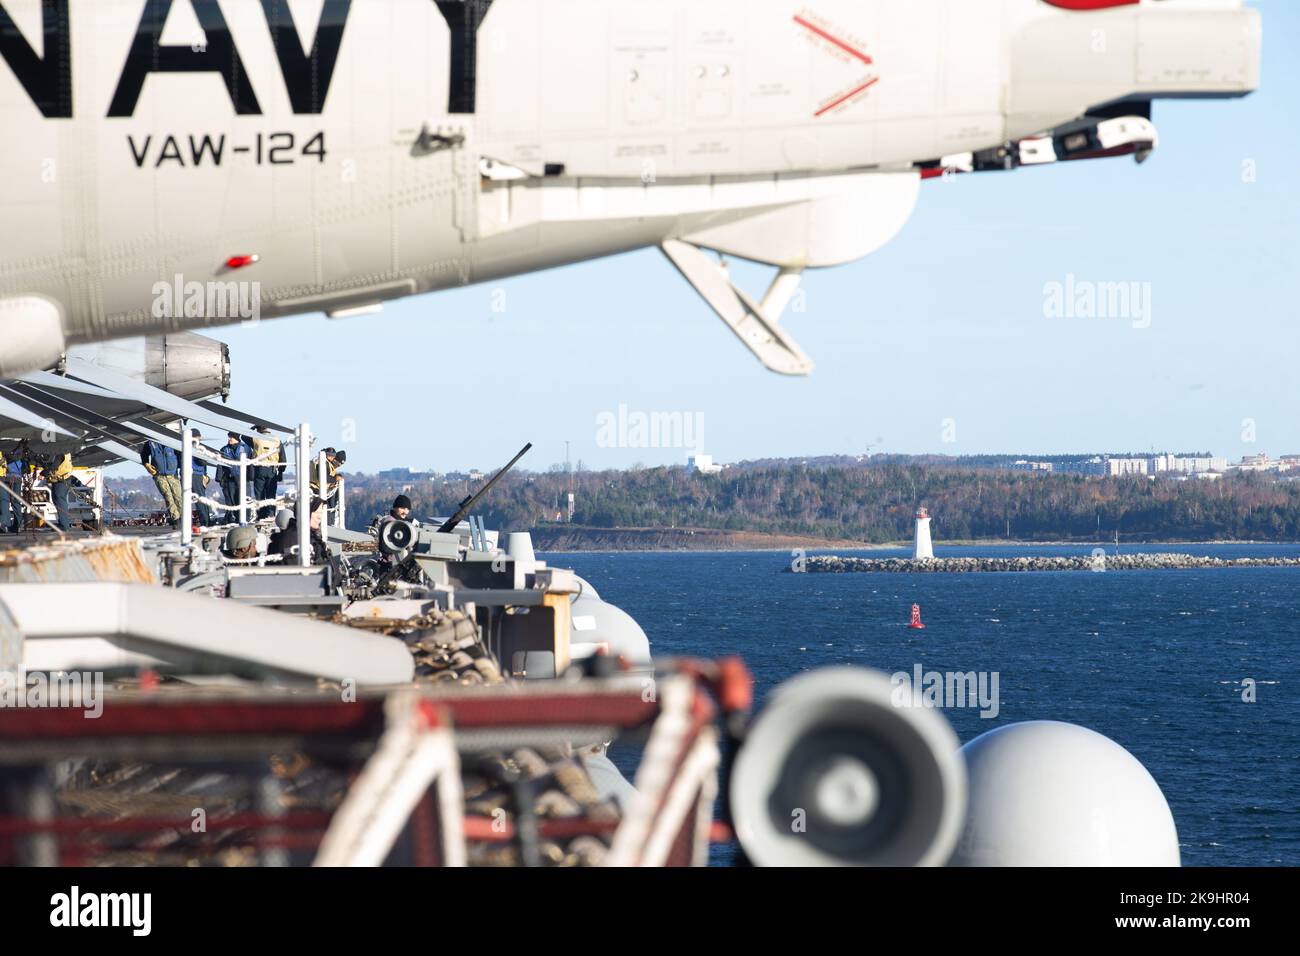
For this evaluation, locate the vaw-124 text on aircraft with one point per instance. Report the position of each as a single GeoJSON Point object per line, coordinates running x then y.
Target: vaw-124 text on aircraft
{"type": "Point", "coordinates": [177, 164]}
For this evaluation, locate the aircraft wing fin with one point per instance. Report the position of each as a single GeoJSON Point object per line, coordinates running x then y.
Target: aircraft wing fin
{"type": "Point", "coordinates": [242, 416]}
{"type": "Point", "coordinates": [119, 450]}
{"type": "Point", "coordinates": [755, 324]}
{"type": "Point", "coordinates": [27, 417]}
{"type": "Point", "coordinates": [156, 397]}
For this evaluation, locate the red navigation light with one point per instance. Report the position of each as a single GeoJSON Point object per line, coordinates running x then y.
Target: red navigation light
{"type": "Point", "coordinates": [238, 262]}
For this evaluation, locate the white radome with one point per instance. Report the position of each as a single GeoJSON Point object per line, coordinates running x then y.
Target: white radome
{"type": "Point", "coordinates": [1047, 793]}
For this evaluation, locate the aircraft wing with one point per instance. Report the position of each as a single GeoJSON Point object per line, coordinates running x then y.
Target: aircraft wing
{"type": "Point", "coordinates": [100, 412]}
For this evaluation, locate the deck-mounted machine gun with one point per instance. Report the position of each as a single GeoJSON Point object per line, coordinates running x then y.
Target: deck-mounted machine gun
{"type": "Point", "coordinates": [527, 614]}
{"type": "Point", "coordinates": [407, 541]}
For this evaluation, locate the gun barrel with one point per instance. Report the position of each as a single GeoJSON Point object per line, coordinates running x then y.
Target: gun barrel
{"type": "Point", "coordinates": [473, 499]}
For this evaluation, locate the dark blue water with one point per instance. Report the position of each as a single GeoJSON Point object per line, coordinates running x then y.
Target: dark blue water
{"type": "Point", "coordinates": [1152, 659]}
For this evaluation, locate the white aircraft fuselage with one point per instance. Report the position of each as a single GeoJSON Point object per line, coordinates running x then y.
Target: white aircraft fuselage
{"type": "Point", "coordinates": [178, 164]}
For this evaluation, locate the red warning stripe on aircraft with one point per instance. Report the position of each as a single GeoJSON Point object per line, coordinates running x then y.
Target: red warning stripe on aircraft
{"type": "Point", "coordinates": [847, 96]}
{"type": "Point", "coordinates": [847, 48]}
{"type": "Point", "coordinates": [830, 38]}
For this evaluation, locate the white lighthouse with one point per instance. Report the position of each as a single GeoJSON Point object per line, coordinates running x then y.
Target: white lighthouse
{"type": "Point", "coordinates": [922, 549]}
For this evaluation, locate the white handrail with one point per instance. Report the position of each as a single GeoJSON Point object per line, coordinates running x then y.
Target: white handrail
{"type": "Point", "coordinates": [323, 489]}
{"type": "Point", "coordinates": [304, 494]}
{"type": "Point", "coordinates": [187, 486]}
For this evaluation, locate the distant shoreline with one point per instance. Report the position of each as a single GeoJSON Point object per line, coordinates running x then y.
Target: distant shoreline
{"type": "Point", "coordinates": [1100, 561]}
{"type": "Point", "coordinates": [578, 540]}
{"type": "Point", "coordinates": [1107, 543]}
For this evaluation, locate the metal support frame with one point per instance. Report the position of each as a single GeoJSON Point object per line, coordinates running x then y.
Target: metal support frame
{"type": "Point", "coordinates": [756, 324]}
{"type": "Point", "coordinates": [243, 488]}
{"type": "Point", "coordinates": [322, 482]}
{"type": "Point", "coordinates": [675, 782]}
{"type": "Point", "coordinates": [413, 742]}
{"type": "Point", "coordinates": [187, 486]}
{"type": "Point", "coordinates": [98, 496]}
{"type": "Point", "coordinates": [188, 494]}
{"type": "Point", "coordinates": [270, 803]}
{"type": "Point", "coordinates": [415, 756]}
{"type": "Point", "coordinates": [303, 437]}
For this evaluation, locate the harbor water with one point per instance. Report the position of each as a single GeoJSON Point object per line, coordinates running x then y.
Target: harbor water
{"type": "Point", "coordinates": [1159, 661]}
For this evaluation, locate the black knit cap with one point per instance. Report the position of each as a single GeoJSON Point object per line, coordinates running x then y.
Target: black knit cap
{"type": "Point", "coordinates": [401, 501]}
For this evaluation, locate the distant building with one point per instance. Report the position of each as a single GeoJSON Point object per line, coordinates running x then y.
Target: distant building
{"type": "Point", "coordinates": [1090, 466]}
{"type": "Point", "coordinates": [703, 464]}
{"type": "Point", "coordinates": [1260, 462]}
{"type": "Point", "coordinates": [404, 474]}
{"type": "Point", "coordinates": [1124, 465]}
{"type": "Point", "coordinates": [1185, 464]}
{"type": "Point", "coordinates": [1118, 467]}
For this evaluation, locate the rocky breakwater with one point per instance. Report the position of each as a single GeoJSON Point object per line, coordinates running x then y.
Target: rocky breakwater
{"type": "Point", "coordinates": [1097, 561]}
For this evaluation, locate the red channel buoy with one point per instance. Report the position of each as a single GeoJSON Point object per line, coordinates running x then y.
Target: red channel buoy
{"type": "Point", "coordinates": [916, 617]}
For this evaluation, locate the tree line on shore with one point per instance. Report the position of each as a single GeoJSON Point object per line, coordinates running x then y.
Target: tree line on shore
{"type": "Point", "coordinates": [868, 502]}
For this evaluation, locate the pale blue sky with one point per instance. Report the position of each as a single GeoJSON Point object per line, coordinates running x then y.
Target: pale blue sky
{"type": "Point", "coordinates": [946, 322]}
